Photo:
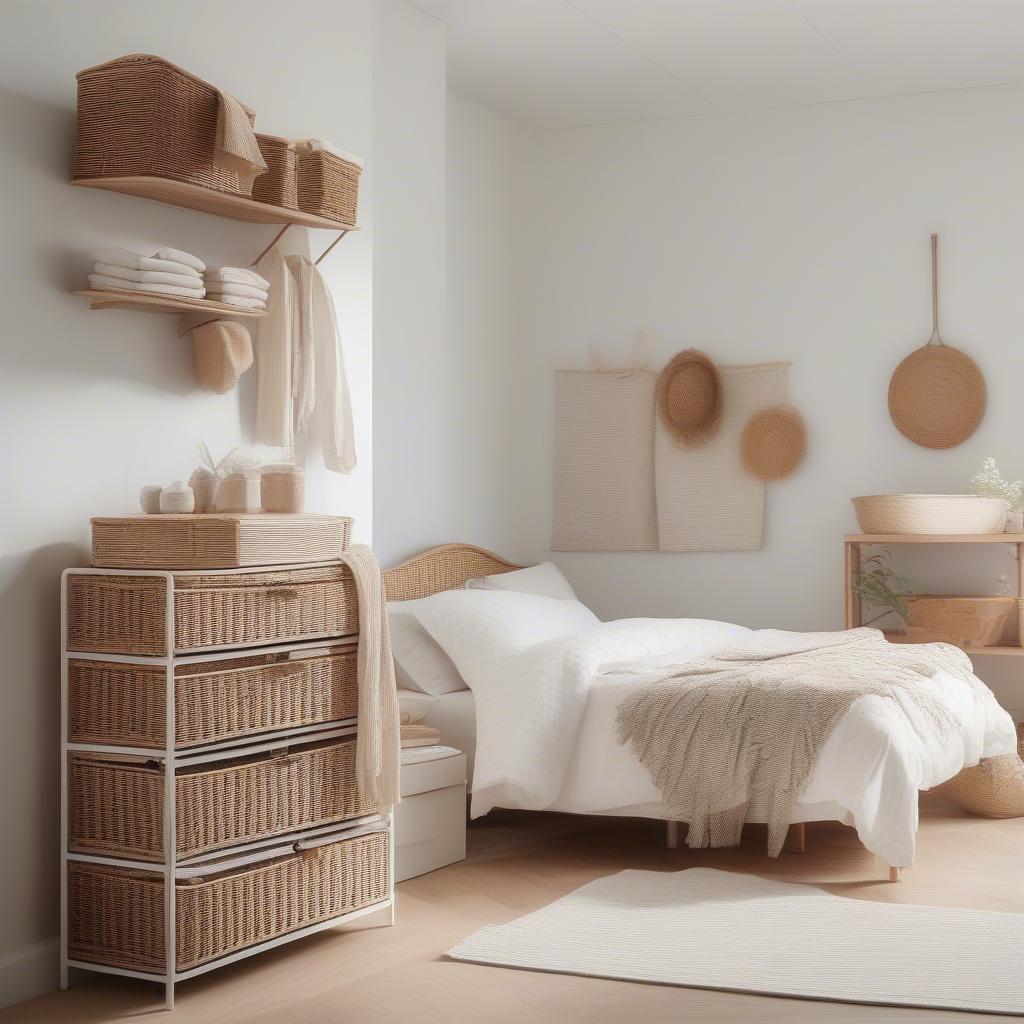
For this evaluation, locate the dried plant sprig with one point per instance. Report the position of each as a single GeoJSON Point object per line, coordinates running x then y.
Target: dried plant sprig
{"type": "Point", "coordinates": [988, 482]}
{"type": "Point", "coordinates": [880, 587]}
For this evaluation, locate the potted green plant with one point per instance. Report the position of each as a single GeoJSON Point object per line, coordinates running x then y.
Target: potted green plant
{"type": "Point", "coordinates": [881, 589]}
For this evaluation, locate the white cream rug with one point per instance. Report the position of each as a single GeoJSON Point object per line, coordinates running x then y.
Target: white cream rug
{"type": "Point", "coordinates": [713, 929]}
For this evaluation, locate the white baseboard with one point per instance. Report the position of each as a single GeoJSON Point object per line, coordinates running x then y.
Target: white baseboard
{"type": "Point", "coordinates": [29, 972]}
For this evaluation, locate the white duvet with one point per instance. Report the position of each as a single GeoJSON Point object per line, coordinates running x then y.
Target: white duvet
{"type": "Point", "coordinates": [546, 734]}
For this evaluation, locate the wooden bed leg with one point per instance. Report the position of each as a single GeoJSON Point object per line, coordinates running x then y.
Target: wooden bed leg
{"type": "Point", "coordinates": [672, 834]}
{"type": "Point", "coordinates": [895, 874]}
{"type": "Point", "coordinates": [796, 838]}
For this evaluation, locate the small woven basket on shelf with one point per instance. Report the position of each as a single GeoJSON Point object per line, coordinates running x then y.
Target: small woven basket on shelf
{"type": "Point", "coordinates": [930, 513]}
{"type": "Point", "coordinates": [141, 115]}
{"type": "Point", "coordinates": [116, 915]}
{"type": "Point", "coordinates": [960, 620]}
{"type": "Point", "coordinates": [328, 186]}
{"type": "Point", "coordinates": [278, 185]}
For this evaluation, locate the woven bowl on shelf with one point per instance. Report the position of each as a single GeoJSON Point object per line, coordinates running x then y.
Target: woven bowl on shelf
{"type": "Point", "coordinates": [930, 513]}
{"type": "Point", "coordinates": [960, 620]}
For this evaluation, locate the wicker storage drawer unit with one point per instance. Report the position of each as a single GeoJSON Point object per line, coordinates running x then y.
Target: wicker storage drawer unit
{"type": "Point", "coordinates": [127, 613]}
{"type": "Point", "coordinates": [140, 115]}
{"type": "Point", "coordinates": [223, 540]}
{"type": "Point", "coordinates": [117, 914]}
{"type": "Point", "coordinates": [328, 186]}
{"type": "Point", "coordinates": [118, 703]}
{"type": "Point", "coordinates": [116, 803]}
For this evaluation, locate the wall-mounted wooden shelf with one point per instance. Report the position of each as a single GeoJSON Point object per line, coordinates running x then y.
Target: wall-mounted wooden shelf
{"type": "Point", "coordinates": [899, 638]}
{"type": "Point", "coordinates": [207, 200]}
{"type": "Point", "coordinates": [162, 303]}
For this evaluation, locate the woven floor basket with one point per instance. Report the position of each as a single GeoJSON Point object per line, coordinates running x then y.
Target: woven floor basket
{"type": "Point", "coordinates": [126, 614]}
{"type": "Point", "coordinates": [125, 705]}
{"type": "Point", "coordinates": [115, 804]}
{"type": "Point", "coordinates": [328, 186]}
{"type": "Point", "coordinates": [993, 788]}
{"type": "Point", "coordinates": [278, 186]}
{"type": "Point", "coordinates": [142, 115]}
{"type": "Point", "coordinates": [116, 915]}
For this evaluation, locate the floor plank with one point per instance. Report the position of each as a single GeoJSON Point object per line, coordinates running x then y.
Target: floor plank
{"type": "Point", "coordinates": [519, 862]}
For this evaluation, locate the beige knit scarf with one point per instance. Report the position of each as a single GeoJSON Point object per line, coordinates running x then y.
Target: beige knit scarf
{"type": "Point", "coordinates": [746, 726]}
{"type": "Point", "coordinates": [377, 739]}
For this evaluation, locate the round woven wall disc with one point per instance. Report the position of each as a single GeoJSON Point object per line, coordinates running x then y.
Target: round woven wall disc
{"type": "Point", "coordinates": [773, 443]}
{"type": "Point", "coordinates": [937, 396]}
{"type": "Point", "coordinates": [690, 398]}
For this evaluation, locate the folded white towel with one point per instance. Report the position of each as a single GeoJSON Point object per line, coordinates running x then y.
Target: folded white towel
{"type": "Point", "coordinates": [241, 301]}
{"type": "Point", "coordinates": [328, 147]}
{"type": "Point", "coordinates": [126, 258]}
{"type": "Point", "coordinates": [237, 275]}
{"type": "Point", "coordinates": [178, 256]}
{"type": "Point", "coordinates": [147, 276]}
{"type": "Point", "coordinates": [118, 284]}
{"type": "Point", "coordinates": [250, 291]}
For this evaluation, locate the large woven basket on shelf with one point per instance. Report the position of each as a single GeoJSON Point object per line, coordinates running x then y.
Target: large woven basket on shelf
{"type": "Point", "coordinates": [328, 186]}
{"type": "Point", "coordinates": [115, 803]}
{"type": "Point", "coordinates": [930, 513]}
{"type": "Point", "coordinates": [127, 614]}
{"type": "Point", "coordinates": [961, 620]}
{"type": "Point", "coordinates": [278, 185]}
{"type": "Point", "coordinates": [141, 115]}
{"type": "Point", "coordinates": [122, 704]}
{"type": "Point", "coordinates": [116, 915]}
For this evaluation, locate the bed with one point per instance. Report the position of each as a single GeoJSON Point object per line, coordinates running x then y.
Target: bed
{"type": "Point", "coordinates": [868, 774]}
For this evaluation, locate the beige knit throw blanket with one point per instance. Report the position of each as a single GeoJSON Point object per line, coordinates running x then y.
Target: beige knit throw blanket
{"type": "Point", "coordinates": [377, 739]}
{"type": "Point", "coordinates": [747, 725]}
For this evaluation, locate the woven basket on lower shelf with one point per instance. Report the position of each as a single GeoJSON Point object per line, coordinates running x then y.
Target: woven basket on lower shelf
{"type": "Point", "coordinates": [278, 185]}
{"type": "Point", "coordinates": [127, 614]}
{"type": "Point", "coordinates": [116, 915]}
{"type": "Point", "coordinates": [115, 803]}
{"type": "Point", "coordinates": [328, 186]}
{"type": "Point", "coordinates": [961, 620]}
{"type": "Point", "coordinates": [141, 115]}
{"type": "Point", "coordinates": [124, 704]}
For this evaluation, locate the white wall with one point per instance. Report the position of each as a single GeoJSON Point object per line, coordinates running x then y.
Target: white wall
{"type": "Point", "coordinates": [410, 362]}
{"type": "Point", "coordinates": [798, 234]}
{"type": "Point", "coordinates": [95, 404]}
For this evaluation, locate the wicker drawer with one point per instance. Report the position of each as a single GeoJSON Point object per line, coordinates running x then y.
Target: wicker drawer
{"type": "Point", "coordinates": [117, 915]}
{"type": "Point", "coordinates": [127, 614]}
{"type": "Point", "coordinates": [116, 804]}
{"type": "Point", "coordinates": [125, 705]}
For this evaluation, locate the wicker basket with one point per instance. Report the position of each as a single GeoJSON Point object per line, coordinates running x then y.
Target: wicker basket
{"type": "Point", "coordinates": [223, 540]}
{"type": "Point", "coordinates": [127, 615]}
{"type": "Point", "coordinates": [964, 621]}
{"type": "Point", "coordinates": [116, 915]}
{"type": "Point", "coordinates": [115, 803]}
{"type": "Point", "coordinates": [278, 185]}
{"type": "Point", "coordinates": [994, 787]}
{"type": "Point", "coordinates": [125, 705]}
{"type": "Point", "coordinates": [328, 186]}
{"type": "Point", "coordinates": [930, 513]}
{"type": "Point", "coordinates": [140, 115]}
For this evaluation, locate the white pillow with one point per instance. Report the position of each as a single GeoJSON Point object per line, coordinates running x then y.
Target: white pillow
{"type": "Point", "coordinates": [420, 664]}
{"type": "Point", "coordinates": [545, 580]}
{"type": "Point", "coordinates": [476, 627]}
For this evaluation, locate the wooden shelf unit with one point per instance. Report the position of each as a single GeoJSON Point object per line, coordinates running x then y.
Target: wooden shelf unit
{"type": "Point", "coordinates": [853, 542]}
{"type": "Point", "coordinates": [99, 299]}
{"type": "Point", "coordinates": [207, 200]}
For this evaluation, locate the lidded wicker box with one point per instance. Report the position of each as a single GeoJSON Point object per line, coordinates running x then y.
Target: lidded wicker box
{"type": "Point", "coordinates": [142, 116]}
{"type": "Point", "coordinates": [220, 540]}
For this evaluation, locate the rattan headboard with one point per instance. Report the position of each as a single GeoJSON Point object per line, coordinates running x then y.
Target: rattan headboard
{"type": "Point", "coordinates": [442, 568]}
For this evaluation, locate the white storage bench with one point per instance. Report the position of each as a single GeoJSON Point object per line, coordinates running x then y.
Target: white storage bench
{"type": "Point", "coordinates": [430, 822]}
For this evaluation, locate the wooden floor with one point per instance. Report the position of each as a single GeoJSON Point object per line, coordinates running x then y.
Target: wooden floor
{"type": "Point", "coordinates": [519, 862]}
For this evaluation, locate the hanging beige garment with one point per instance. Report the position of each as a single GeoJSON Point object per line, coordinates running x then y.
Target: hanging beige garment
{"type": "Point", "coordinates": [274, 421]}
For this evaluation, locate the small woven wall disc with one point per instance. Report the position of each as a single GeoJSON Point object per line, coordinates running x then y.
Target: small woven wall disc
{"type": "Point", "coordinates": [773, 443]}
{"type": "Point", "coordinates": [937, 396]}
{"type": "Point", "coordinates": [690, 398]}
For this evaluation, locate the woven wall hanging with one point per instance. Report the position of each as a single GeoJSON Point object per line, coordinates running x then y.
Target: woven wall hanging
{"type": "Point", "coordinates": [937, 395]}
{"type": "Point", "coordinates": [690, 398]}
{"type": "Point", "coordinates": [773, 443]}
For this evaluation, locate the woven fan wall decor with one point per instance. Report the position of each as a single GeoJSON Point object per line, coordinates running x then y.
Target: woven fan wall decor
{"type": "Point", "coordinates": [773, 443]}
{"type": "Point", "coordinates": [937, 395]}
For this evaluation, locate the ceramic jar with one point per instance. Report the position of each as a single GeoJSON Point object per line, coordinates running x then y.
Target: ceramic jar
{"type": "Point", "coordinates": [178, 498]}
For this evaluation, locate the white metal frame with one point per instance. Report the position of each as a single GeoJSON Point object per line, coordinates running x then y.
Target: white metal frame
{"type": "Point", "coordinates": [173, 758]}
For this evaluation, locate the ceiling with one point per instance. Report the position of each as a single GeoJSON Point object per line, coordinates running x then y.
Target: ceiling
{"type": "Point", "coordinates": [570, 62]}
